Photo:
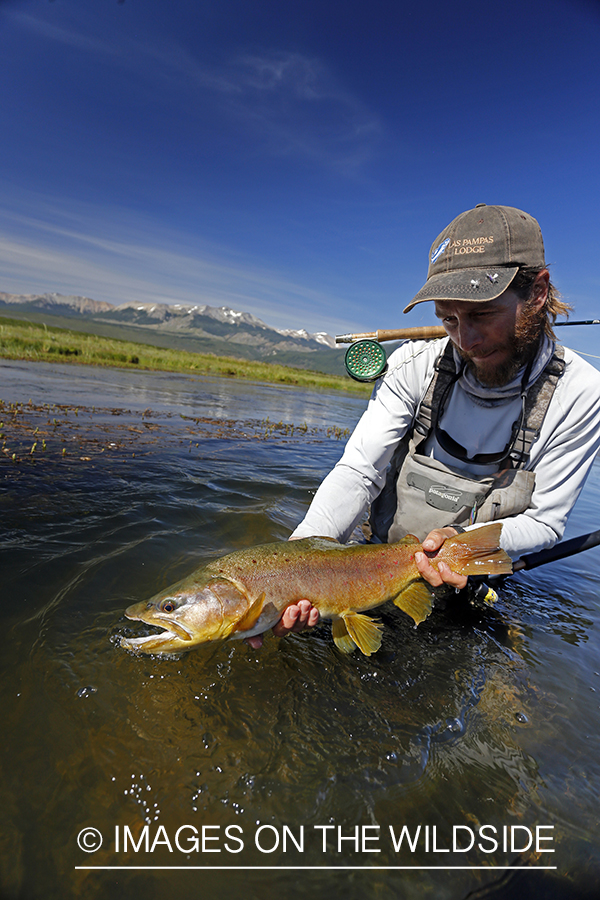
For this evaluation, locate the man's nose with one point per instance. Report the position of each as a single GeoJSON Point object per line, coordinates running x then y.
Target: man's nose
{"type": "Point", "coordinates": [469, 336]}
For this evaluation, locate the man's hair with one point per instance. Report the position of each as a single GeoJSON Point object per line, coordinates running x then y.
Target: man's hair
{"type": "Point", "coordinates": [522, 285]}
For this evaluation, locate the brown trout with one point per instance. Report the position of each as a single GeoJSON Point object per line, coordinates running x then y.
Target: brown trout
{"type": "Point", "coordinates": [246, 592]}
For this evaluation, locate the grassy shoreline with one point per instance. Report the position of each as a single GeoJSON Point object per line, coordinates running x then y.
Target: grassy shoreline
{"type": "Point", "coordinates": [20, 339]}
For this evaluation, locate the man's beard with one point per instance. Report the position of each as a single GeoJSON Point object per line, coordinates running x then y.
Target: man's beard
{"type": "Point", "coordinates": [524, 345]}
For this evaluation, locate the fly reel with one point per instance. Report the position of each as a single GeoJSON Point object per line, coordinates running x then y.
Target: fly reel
{"type": "Point", "coordinates": [365, 360]}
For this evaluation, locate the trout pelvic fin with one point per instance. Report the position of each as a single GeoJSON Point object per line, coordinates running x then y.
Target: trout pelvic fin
{"type": "Point", "coordinates": [416, 601]}
{"type": "Point", "coordinates": [362, 631]}
{"type": "Point", "coordinates": [477, 552]}
{"type": "Point", "coordinates": [341, 638]}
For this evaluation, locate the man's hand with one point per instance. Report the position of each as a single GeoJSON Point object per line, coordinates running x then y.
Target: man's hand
{"type": "Point", "coordinates": [443, 574]}
{"type": "Point", "coordinates": [296, 618]}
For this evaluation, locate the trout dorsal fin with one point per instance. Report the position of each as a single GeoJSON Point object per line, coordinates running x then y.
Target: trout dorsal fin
{"type": "Point", "coordinates": [340, 635]}
{"type": "Point", "coordinates": [416, 601]}
{"type": "Point", "coordinates": [408, 539]}
{"type": "Point", "coordinates": [364, 631]}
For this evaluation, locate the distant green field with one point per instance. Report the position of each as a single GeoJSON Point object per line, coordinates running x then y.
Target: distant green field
{"type": "Point", "coordinates": [32, 341]}
{"type": "Point", "coordinates": [331, 362]}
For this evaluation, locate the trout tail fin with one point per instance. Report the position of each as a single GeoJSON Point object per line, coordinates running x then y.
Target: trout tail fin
{"type": "Point", "coordinates": [476, 552]}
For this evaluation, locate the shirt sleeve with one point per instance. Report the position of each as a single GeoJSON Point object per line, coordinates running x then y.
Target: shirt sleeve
{"type": "Point", "coordinates": [561, 458]}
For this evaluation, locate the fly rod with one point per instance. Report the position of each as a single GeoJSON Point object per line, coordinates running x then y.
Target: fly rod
{"type": "Point", "coordinates": [424, 333]}
{"type": "Point", "coordinates": [365, 358]}
{"type": "Point", "coordinates": [559, 551]}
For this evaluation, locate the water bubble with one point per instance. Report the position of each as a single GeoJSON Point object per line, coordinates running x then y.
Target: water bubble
{"type": "Point", "coordinates": [87, 691]}
{"type": "Point", "coordinates": [455, 726]}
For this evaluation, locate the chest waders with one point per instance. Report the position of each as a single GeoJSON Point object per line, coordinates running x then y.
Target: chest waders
{"type": "Point", "coordinates": [421, 493]}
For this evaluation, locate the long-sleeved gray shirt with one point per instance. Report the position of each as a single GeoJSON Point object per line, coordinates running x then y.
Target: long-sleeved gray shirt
{"type": "Point", "coordinates": [561, 456]}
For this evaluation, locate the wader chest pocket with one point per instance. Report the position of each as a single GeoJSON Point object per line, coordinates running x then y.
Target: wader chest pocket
{"type": "Point", "coordinates": [443, 497]}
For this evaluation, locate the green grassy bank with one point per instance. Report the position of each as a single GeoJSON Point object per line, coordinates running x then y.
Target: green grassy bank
{"type": "Point", "coordinates": [30, 341]}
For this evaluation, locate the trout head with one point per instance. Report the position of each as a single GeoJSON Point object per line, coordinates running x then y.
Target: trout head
{"type": "Point", "coordinates": [192, 612]}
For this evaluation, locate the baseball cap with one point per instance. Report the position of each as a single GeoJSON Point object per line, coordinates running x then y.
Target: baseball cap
{"type": "Point", "coordinates": [477, 256]}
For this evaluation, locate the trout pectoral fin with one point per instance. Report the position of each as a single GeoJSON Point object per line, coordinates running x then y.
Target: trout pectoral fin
{"type": "Point", "coordinates": [416, 601]}
{"type": "Point", "coordinates": [340, 635]}
{"type": "Point", "coordinates": [250, 618]}
{"type": "Point", "coordinates": [365, 632]}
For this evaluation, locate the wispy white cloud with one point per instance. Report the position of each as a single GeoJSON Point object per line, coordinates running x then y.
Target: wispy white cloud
{"type": "Point", "coordinates": [286, 102]}
{"type": "Point", "coordinates": [298, 107]}
{"type": "Point", "coordinates": [71, 38]}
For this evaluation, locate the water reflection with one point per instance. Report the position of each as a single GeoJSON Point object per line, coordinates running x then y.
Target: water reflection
{"type": "Point", "coordinates": [175, 393]}
{"type": "Point", "coordinates": [475, 718]}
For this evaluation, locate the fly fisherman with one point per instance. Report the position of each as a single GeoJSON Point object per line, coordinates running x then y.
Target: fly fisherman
{"type": "Point", "coordinates": [495, 422]}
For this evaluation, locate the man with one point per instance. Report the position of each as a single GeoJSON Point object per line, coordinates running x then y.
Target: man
{"type": "Point", "coordinates": [493, 423]}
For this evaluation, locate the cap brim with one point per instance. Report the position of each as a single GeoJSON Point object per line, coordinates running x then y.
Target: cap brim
{"type": "Point", "coordinates": [467, 285]}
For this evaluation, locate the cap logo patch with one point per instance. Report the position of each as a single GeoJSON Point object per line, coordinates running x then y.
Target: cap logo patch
{"type": "Point", "coordinates": [439, 250]}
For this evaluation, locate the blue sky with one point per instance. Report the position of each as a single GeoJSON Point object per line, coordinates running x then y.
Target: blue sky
{"type": "Point", "coordinates": [294, 160]}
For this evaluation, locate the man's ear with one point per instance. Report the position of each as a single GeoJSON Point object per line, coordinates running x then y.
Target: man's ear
{"type": "Point", "coordinates": [539, 289]}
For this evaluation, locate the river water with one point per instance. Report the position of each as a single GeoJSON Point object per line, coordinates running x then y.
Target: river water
{"type": "Point", "coordinates": [290, 771]}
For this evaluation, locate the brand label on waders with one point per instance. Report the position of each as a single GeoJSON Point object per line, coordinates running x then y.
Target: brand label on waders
{"type": "Point", "coordinates": [443, 497]}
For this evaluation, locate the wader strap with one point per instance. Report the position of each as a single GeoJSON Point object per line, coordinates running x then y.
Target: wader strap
{"type": "Point", "coordinates": [537, 402]}
{"type": "Point", "coordinates": [445, 372]}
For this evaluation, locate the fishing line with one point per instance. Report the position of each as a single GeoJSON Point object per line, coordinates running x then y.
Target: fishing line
{"type": "Point", "coordinates": [581, 353]}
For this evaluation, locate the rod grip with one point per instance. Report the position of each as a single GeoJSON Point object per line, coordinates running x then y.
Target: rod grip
{"type": "Point", "coordinates": [425, 333]}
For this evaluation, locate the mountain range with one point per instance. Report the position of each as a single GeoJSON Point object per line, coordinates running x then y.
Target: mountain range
{"type": "Point", "coordinates": [200, 328]}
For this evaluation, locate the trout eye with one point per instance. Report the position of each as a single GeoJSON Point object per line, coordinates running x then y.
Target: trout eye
{"type": "Point", "coordinates": [168, 606]}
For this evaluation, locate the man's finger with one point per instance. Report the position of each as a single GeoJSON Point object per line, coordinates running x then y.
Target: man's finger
{"type": "Point", "coordinates": [436, 538]}
{"type": "Point", "coordinates": [443, 574]}
{"type": "Point", "coordinates": [287, 621]}
{"type": "Point", "coordinates": [255, 642]}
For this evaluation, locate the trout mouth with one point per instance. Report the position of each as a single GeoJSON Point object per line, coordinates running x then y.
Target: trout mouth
{"type": "Point", "coordinates": [172, 636]}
